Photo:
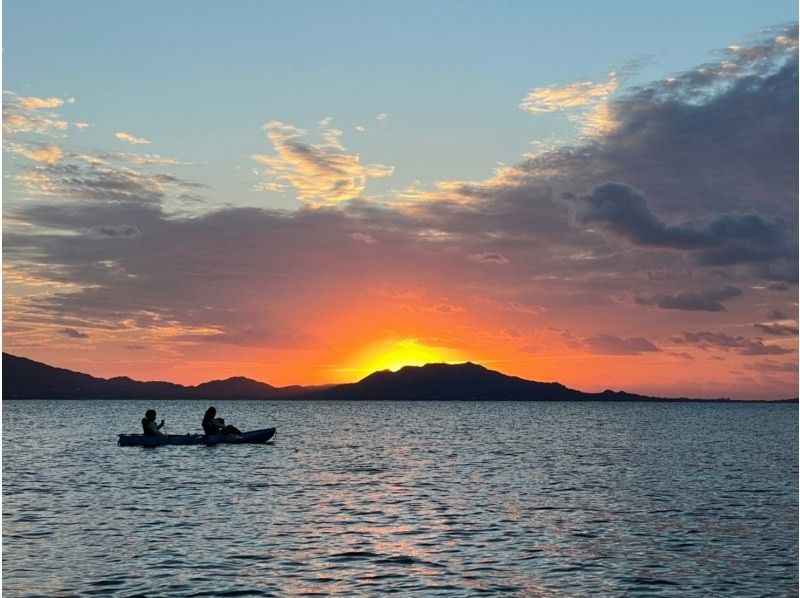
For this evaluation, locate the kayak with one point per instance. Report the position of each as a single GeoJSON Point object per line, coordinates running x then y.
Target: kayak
{"type": "Point", "coordinates": [253, 437]}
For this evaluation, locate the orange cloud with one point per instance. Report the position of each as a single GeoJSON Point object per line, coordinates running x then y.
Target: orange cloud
{"type": "Point", "coordinates": [594, 116]}
{"type": "Point", "coordinates": [564, 97]}
{"type": "Point", "coordinates": [31, 123]}
{"type": "Point", "coordinates": [34, 103]}
{"type": "Point", "coordinates": [22, 115]}
{"type": "Point", "coordinates": [322, 173]}
{"type": "Point", "coordinates": [46, 154]}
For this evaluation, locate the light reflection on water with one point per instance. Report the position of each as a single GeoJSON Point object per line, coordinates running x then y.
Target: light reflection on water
{"type": "Point", "coordinates": [434, 498]}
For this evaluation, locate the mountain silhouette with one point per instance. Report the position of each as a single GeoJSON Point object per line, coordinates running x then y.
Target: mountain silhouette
{"type": "Point", "coordinates": [27, 379]}
{"type": "Point", "coordinates": [238, 386]}
{"type": "Point", "coordinates": [462, 382]}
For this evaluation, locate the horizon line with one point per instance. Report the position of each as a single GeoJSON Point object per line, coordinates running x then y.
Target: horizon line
{"type": "Point", "coordinates": [408, 366]}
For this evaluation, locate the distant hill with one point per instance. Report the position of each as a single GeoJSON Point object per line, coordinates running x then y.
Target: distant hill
{"type": "Point", "coordinates": [462, 382]}
{"type": "Point", "coordinates": [27, 379]}
{"type": "Point", "coordinates": [236, 386]}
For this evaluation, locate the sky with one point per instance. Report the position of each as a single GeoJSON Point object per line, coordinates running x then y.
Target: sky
{"type": "Point", "coordinates": [599, 194]}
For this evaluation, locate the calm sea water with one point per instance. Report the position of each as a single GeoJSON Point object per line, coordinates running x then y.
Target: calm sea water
{"type": "Point", "coordinates": [429, 498]}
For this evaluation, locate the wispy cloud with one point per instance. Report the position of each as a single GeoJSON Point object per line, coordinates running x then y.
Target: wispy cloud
{"type": "Point", "coordinates": [34, 103]}
{"type": "Point", "coordinates": [100, 183]}
{"type": "Point", "coordinates": [144, 159]}
{"type": "Point", "coordinates": [322, 173]}
{"type": "Point", "coordinates": [565, 97]}
{"type": "Point", "coordinates": [777, 329]}
{"type": "Point", "coordinates": [47, 154]}
{"type": "Point", "coordinates": [362, 238]}
{"type": "Point", "coordinates": [25, 114]}
{"type": "Point", "coordinates": [445, 307]}
{"type": "Point", "coordinates": [21, 122]}
{"type": "Point", "coordinates": [609, 344]}
{"type": "Point", "coordinates": [128, 138]}
{"type": "Point", "coordinates": [773, 367]}
{"type": "Point", "coordinates": [719, 340]}
{"type": "Point", "coordinates": [489, 257]}
{"type": "Point", "coordinates": [72, 333]}
{"type": "Point", "coordinates": [709, 300]}
{"type": "Point", "coordinates": [586, 103]}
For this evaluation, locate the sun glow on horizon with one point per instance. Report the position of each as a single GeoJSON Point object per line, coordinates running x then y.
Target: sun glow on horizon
{"type": "Point", "coordinates": [396, 354]}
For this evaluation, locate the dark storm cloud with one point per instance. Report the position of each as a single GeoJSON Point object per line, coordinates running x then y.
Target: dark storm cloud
{"type": "Point", "coordinates": [726, 342]}
{"type": "Point", "coordinates": [612, 345]}
{"type": "Point", "coordinates": [781, 273]}
{"type": "Point", "coordinates": [705, 163]}
{"type": "Point", "coordinates": [724, 132]}
{"type": "Point", "coordinates": [727, 240]}
{"type": "Point", "coordinates": [623, 210]}
{"type": "Point", "coordinates": [715, 146]}
{"type": "Point", "coordinates": [711, 141]}
{"type": "Point", "coordinates": [710, 300]}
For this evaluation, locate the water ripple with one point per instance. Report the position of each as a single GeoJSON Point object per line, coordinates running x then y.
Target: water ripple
{"type": "Point", "coordinates": [436, 499]}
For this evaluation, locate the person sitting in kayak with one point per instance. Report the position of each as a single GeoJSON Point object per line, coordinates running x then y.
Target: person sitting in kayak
{"type": "Point", "coordinates": [149, 424]}
{"type": "Point", "coordinates": [213, 426]}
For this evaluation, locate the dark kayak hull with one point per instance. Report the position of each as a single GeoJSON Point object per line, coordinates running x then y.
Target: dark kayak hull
{"type": "Point", "coordinates": [253, 437]}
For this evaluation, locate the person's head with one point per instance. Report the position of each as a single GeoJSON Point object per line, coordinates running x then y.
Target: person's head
{"type": "Point", "coordinates": [150, 414]}
{"type": "Point", "coordinates": [211, 412]}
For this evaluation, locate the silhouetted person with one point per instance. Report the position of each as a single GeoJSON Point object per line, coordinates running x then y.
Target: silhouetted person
{"type": "Point", "coordinates": [216, 425]}
{"type": "Point", "coordinates": [149, 425]}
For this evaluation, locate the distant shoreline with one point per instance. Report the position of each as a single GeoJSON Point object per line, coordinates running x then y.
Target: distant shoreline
{"type": "Point", "coordinates": [340, 400]}
{"type": "Point", "coordinates": [25, 379]}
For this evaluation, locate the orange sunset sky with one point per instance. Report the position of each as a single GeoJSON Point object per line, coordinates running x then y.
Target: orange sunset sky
{"type": "Point", "coordinates": [597, 218]}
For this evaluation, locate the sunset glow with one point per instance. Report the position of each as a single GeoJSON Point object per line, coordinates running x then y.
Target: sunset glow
{"type": "Point", "coordinates": [342, 203]}
{"type": "Point", "coordinates": [395, 354]}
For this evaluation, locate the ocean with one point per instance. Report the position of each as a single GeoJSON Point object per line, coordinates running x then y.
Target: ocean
{"type": "Point", "coordinates": [426, 498]}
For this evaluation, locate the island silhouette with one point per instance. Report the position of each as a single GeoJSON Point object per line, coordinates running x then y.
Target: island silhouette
{"type": "Point", "coordinates": [27, 379]}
